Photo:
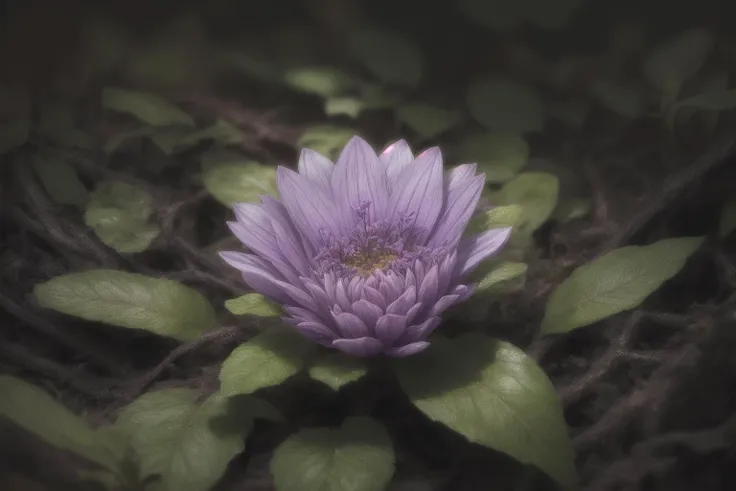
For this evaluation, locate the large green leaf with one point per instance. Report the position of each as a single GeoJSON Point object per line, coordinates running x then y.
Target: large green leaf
{"type": "Point", "coordinates": [496, 217]}
{"type": "Point", "coordinates": [495, 395]}
{"type": "Point", "coordinates": [187, 441]}
{"type": "Point", "coordinates": [253, 304]}
{"type": "Point", "coordinates": [427, 121]}
{"type": "Point", "coordinates": [390, 57]}
{"type": "Point", "coordinates": [505, 106]}
{"type": "Point", "coordinates": [231, 178]}
{"type": "Point", "coordinates": [615, 282]}
{"type": "Point", "coordinates": [536, 193]}
{"type": "Point", "coordinates": [265, 360]}
{"type": "Point", "coordinates": [337, 369]}
{"type": "Point", "coordinates": [500, 155]}
{"type": "Point", "coordinates": [358, 456]}
{"type": "Point", "coordinates": [322, 81]}
{"type": "Point", "coordinates": [37, 412]}
{"type": "Point", "coordinates": [148, 108]}
{"type": "Point", "coordinates": [61, 181]}
{"type": "Point", "coordinates": [119, 214]}
{"type": "Point", "coordinates": [130, 300]}
{"type": "Point", "coordinates": [727, 221]}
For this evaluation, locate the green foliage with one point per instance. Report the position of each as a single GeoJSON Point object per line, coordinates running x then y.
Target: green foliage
{"type": "Point", "coordinates": [148, 108]}
{"type": "Point", "coordinates": [501, 278]}
{"type": "Point", "coordinates": [267, 359]}
{"type": "Point", "coordinates": [328, 140]}
{"type": "Point", "coordinates": [129, 300]}
{"type": "Point", "coordinates": [536, 192]}
{"type": "Point", "coordinates": [231, 178]}
{"type": "Point", "coordinates": [119, 214]}
{"type": "Point", "coordinates": [37, 412]}
{"type": "Point", "coordinates": [321, 81]}
{"type": "Point", "coordinates": [505, 106]}
{"type": "Point", "coordinates": [727, 222]}
{"type": "Point", "coordinates": [615, 282]}
{"type": "Point", "coordinates": [427, 121]}
{"type": "Point", "coordinates": [337, 369]}
{"type": "Point", "coordinates": [345, 106]}
{"type": "Point", "coordinates": [495, 395]}
{"type": "Point", "coordinates": [60, 180]}
{"type": "Point", "coordinates": [57, 123]}
{"type": "Point", "coordinates": [624, 100]}
{"type": "Point", "coordinates": [404, 65]}
{"type": "Point", "coordinates": [358, 456]}
{"type": "Point", "coordinates": [253, 304]}
{"type": "Point", "coordinates": [496, 217]}
{"type": "Point", "coordinates": [500, 155]}
{"type": "Point", "coordinates": [185, 440]}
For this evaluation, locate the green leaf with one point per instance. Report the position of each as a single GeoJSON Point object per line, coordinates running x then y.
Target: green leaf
{"type": "Point", "coordinates": [146, 107]}
{"type": "Point", "coordinates": [221, 132]}
{"type": "Point", "coordinates": [500, 155]}
{"type": "Point", "coordinates": [615, 282]}
{"type": "Point", "coordinates": [129, 300]}
{"type": "Point", "coordinates": [571, 207]}
{"type": "Point", "coordinates": [37, 412]}
{"type": "Point", "coordinates": [267, 359]}
{"type": "Point", "coordinates": [493, 394]}
{"type": "Point", "coordinates": [119, 214]}
{"type": "Point", "coordinates": [253, 304]}
{"type": "Point", "coordinates": [727, 222]}
{"type": "Point", "coordinates": [337, 369]}
{"type": "Point", "coordinates": [344, 106]}
{"type": "Point", "coordinates": [60, 180]}
{"type": "Point", "coordinates": [427, 121]}
{"type": "Point", "coordinates": [536, 192]}
{"type": "Point", "coordinates": [187, 441]}
{"type": "Point", "coordinates": [496, 217]}
{"type": "Point", "coordinates": [505, 106]}
{"type": "Point", "coordinates": [372, 47]}
{"type": "Point", "coordinates": [57, 123]}
{"type": "Point", "coordinates": [326, 139]}
{"type": "Point", "coordinates": [231, 178]}
{"type": "Point", "coordinates": [116, 141]}
{"type": "Point", "coordinates": [358, 456]}
{"type": "Point", "coordinates": [627, 101]}
{"type": "Point", "coordinates": [322, 81]}
{"type": "Point", "coordinates": [500, 277]}
{"type": "Point", "coordinates": [678, 60]}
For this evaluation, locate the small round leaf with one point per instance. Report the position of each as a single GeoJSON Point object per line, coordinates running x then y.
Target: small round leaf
{"type": "Point", "coordinates": [500, 155]}
{"type": "Point", "coordinates": [337, 369]}
{"type": "Point", "coordinates": [427, 121]}
{"type": "Point", "coordinates": [536, 192]}
{"type": "Point", "coordinates": [148, 108]}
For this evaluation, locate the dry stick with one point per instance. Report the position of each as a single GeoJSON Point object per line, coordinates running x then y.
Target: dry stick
{"type": "Point", "coordinates": [650, 394]}
{"type": "Point", "coordinates": [147, 379]}
{"type": "Point", "coordinates": [28, 360]}
{"type": "Point", "coordinates": [673, 188]}
{"type": "Point", "coordinates": [572, 392]}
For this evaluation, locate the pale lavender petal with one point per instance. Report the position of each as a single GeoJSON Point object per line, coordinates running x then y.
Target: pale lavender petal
{"type": "Point", "coordinates": [316, 168]}
{"type": "Point", "coordinates": [360, 178]}
{"type": "Point", "coordinates": [443, 304]}
{"type": "Point", "coordinates": [419, 332]}
{"type": "Point", "coordinates": [257, 273]}
{"type": "Point", "coordinates": [367, 312]}
{"type": "Point", "coordinates": [350, 325]}
{"type": "Point", "coordinates": [428, 289]}
{"type": "Point", "coordinates": [460, 204]}
{"type": "Point", "coordinates": [302, 315]}
{"type": "Point", "coordinates": [316, 332]}
{"type": "Point", "coordinates": [374, 297]}
{"type": "Point", "coordinates": [460, 174]}
{"type": "Point", "coordinates": [474, 250]}
{"type": "Point", "coordinates": [402, 304]}
{"type": "Point", "coordinates": [277, 211]}
{"type": "Point", "coordinates": [417, 196]}
{"type": "Point", "coordinates": [256, 239]}
{"type": "Point", "coordinates": [446, 270]}
{"type": "Point", "coordinates": [298, 295]}
{"type": "Point", "coordinates": [389, 328]}
{"type": "Point", "coordinates": [362, 347]}
{"type": "Point", "coordinates": [341, 296]}
{"type": "Point", "coordinates": [407, 350]}
{"type": "Point", "coordinates": [291, 247]}
{"type": "Point", "coordinates": [312, 210]}
{"type": "Point", "coordinates": [413, 311]}
{"type": "Point", "coordinates": [395, 158]}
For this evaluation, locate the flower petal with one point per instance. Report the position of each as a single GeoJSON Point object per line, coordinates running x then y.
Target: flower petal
{"type": "Point", "coordinates": [443, 304]}
{"type": "Point", "coordinates": [358, 178]}
{"type": "Point", "coordinates": [402, 304]}
{"type": "Point", "coordinates": [461, 173]}
{"type": "Point", "coordinates": [408, 350]}
{"type": "Point", "coordinates": [350, 325]}
{"type": "Point", "coordinates": [419, 332]}
{"type": "Point", "coordinates": [317, 332]}
{"type": "Point", "coordinates": [367, 312]}
{"type": "Point", "coordinates": [315, 167]}
{"type": "Point", "coordinates": [257, 273]}
{"type": "Point", "coordinates": [417, 197]}
{"type": "Point", "coordinates": [428, 289]}
{"type": "Point", "coordinates": [389, 328]}
{"type": "Point", "coordinates": [395, 157]}
{"type": "Point", "coordinates": [474, 250]}
{"type": "Point", "coordinates": [311, 208]}
{"type": "Point", "coordinates": [362, 347]}
{"type": "Point", "coordinates": [460, 203]}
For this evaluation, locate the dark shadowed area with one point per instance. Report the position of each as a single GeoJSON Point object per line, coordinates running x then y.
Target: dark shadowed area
{"type": "Point", "coordinates": [629, 106]}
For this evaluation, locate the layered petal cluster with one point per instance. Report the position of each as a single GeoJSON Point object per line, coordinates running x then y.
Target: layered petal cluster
{"type": "Point", "coordinates": [365, 255]}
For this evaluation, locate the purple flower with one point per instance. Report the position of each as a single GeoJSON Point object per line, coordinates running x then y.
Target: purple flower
{"type": "Point", "coordinates": [365, 255]}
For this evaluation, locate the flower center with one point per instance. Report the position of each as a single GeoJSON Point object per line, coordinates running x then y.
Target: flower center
{"type": "Point", "coordinates": [366, 261]}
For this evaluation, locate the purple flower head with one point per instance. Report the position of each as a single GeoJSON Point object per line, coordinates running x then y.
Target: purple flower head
{"type": "Point", "coordinates": [366, 254]}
